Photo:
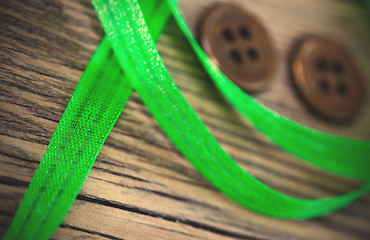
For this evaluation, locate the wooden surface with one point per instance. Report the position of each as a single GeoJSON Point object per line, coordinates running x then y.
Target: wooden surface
{"type": "Point", "coordinates": [140, 186]}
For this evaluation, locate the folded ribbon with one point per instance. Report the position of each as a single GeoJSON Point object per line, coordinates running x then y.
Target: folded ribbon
{"type": "Point", "coordinates": [102, 93]}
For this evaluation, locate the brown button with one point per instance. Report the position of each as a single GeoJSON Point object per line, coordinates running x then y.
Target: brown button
{"type": "Point", "coordinates": [239, 45]}
{"type": "Point", "coordinates": [327, 78]}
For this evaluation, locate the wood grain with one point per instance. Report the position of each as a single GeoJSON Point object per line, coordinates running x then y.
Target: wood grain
{"type": "Point", "coordinates": [140, 186]}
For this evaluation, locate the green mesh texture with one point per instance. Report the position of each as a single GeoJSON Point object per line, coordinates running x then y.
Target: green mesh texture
{"type": "Point", "coordinates": [93, 109]}
{"type": "Point", "coordinates": [126, 29]}
{"type": "Point", "coordinates": [102, 93]}
{"type": "Point", "coordinates": [72, 150]}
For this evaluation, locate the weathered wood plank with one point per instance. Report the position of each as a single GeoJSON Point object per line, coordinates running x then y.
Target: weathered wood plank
{"type": "Point", "coordinates": [141, 186]}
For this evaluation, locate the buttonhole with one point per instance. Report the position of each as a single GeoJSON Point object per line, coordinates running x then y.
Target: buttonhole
{"type": "Point", "coordinates": [244, 32]}
{"type": "Point", "coordinates": [323, 85]}
{"type": "Point", "coordinates": [342, 88]}
{"type": "Point", "coordinates": [321, 65]}
{"type": "Point", "coordinates": [338, 68]}
{"type": "Point", "coordinates": [252, 54]}
{"type": "Point", "coordinates": [228, 35]}
{"type": "Point", "coordinates": [235, 56]}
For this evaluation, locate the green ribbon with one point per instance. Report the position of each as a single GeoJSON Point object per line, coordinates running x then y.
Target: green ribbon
{"type": "Point", "coordinates": [93, 109]}
{"type": "Point", "coordinates": [347, 157]}
{"type": "Point", "coordinates": [102, 93]}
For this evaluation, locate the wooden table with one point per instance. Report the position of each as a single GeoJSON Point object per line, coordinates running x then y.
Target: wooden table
{"type": "Point", "coordinates": [140, 186]}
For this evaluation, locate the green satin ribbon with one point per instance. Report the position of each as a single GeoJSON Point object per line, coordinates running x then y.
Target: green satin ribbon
{"type": "Point", "coordinates": [102, 93]}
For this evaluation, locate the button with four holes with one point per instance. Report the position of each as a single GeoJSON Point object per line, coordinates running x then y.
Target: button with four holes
{"type": "Point", "coordinates": [239, 45]}
{"type": "Point", "coordinates": [327, 78]}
